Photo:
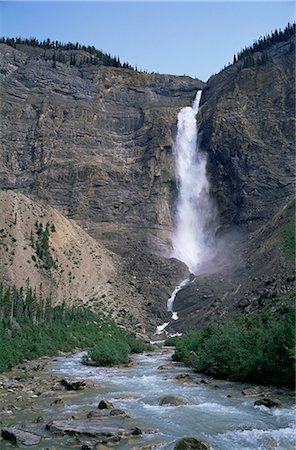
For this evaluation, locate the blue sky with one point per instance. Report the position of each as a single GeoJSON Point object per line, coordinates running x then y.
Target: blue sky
{"type": "Point", "coordinates": [195, 38]}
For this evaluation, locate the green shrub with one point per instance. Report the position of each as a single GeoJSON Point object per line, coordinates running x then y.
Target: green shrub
{"type": "Point", "coordinates": [255, 348]}
{"type": "Point", "coordinates": [113, 346]}
{"type": "Point", "coordinates": [108, 352]}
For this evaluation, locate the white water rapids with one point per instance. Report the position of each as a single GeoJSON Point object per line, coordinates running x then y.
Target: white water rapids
{"type": "Point", "coordinates": [216, 412]}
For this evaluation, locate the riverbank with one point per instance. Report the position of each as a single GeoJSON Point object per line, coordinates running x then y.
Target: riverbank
{"type": "Point", "coordinates": [142, 398]}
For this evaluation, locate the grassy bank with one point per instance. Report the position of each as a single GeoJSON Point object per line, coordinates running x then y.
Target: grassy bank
{"type": "Point", "coordinates": [256, 348]}
{"type": "Point", "coordinates": [30, 328]}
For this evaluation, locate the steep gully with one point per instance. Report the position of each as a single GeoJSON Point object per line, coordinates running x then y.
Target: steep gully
{"type": "Point", "coordinates": [193, 236]}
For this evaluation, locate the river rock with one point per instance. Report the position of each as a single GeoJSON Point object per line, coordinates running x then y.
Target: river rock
{"type": "Point", "coordinates": [97, 413]}
{"type": "Point", "coordinates": [172, 400]}
{"type": "Point", "coordinates": [91, 428]}
{"type": "Point", "coordinates": [72, 384]}
{"type": "Point", "coordinates": [184, 378]}
{"type": "Point", "coordinates": [252, 392]}
{"type": "Point", "coordinates": [58, 402]}
{"type": "Point", "coordinates": [166, 367]}
{"type": "Point", "coordinates": [118, 412]}
{"type": "Point", "coordinates": [191, 443]}
{"type": "Point", "coordinates": [39, 419]}
{"type": "Point", "coordinates": [99, 445]}
{"type": "Point", "coordinates": [104, 404]}
{"type": "Point", "coordinates": [268, 403]}
{"type": "Point", "coordinates": [20, 437]}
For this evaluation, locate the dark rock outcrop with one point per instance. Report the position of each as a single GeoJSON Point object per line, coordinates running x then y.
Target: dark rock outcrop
{"type": "Point", "coordinates": [104, 404]}
{"type": "Point", "coordinates": [172, 400]}
{"type": "Point", "coordinates": [20, 437]}
{"type": "Point", "coordinates": [184, 378]}
{"type": "Point", "coordinates": [90, 428]}
{"type": "Point", "coordinates": [191, 443]}
{"type": "Point", "coordinates": [268, 403]}
{"type": "Point", "coordinates": [72, 384]}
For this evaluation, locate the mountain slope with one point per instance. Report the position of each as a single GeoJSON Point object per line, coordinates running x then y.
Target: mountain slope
{"type": "Point", "coordinates": [247, 127]}
{"type": "Point", "coordinates": [95, 143]}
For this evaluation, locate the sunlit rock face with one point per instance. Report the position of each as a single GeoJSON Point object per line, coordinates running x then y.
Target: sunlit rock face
{"type": "Point", "coordinates": [96, 143]}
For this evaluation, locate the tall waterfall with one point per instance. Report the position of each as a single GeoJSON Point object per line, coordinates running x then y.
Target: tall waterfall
{"type": "Point", "coordinates": [191, 238]}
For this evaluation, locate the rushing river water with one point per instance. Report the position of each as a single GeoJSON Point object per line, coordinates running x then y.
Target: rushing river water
{"type": "Point", "coordinates": [217, 412]}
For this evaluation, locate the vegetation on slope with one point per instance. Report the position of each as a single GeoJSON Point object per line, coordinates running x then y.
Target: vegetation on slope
{"type": "Point", "coordinates": [30, 328]}
{"type": "Point", "coordinates": [112, 347]}
{"type": "Point", "coordinates": [257, 54]}
{"type": "Point", "coordinates": [55, 51]}
{"type": "Point", "coordinates": [256, 348]}
{"type": "Point", "coordinates": [263, 43]}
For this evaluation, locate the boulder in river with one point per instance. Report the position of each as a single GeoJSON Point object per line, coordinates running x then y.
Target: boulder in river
{"type": "Point", "coordinates": [192, 443]}
{"type": "Point", "coordinates": [100, 445]}
{"type": "Point", "coordinates": [172, 400]}
{"type": "Point", "coordinates": [118, 412]}
{"type": "Point", "coordinates": [268, 403]}
{"type": "Point", "coordinates": [97, 413]}
{"type": "Point", "coordinates": [184, 378]}
{"type": "Point", "coordinates": [104, 404]}
{"type": "Point", "coordinates": [20, 437]}
{"type": "Point", "coordinates": [58, 402]}
{"type": "Point", "coordinates": [72, 385]}
{"type": "Point", "coordinates": [252, 392]}
{"type": "Point", "coordinates": [166, 367]}
{"type": "Point", "coordinates": [94, 428]}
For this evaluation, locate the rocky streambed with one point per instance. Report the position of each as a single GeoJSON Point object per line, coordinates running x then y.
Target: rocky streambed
{"type": "Point", "coordinates": [59, 404]}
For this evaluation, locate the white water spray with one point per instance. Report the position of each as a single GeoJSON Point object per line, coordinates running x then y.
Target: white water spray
{"type": "Point", "coordinates": [191, 238]}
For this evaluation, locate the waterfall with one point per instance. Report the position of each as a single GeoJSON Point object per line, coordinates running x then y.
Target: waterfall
{"type": "Point", "coordinates": [192, 236]}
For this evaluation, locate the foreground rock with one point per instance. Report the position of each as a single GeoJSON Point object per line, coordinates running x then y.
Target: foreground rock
{"type": "Point", "coordinates": [191, 443]}
{"type": "Point", "coordinates": [91, 428]}
{"type": "Point", "coordinates": [172, 400]}
{"type": "Point", "coordinates": [184, 378]}
{"type": "Point", "coordinates": [252, 392]}
{"type": "Point", "coordinates": [20, 437]}
{"type": "Point", "coordinates": [72, 384]}
{"type": "Point", "coordinates": [268, 403]}
{"type": "Point", "coordinates": [166, 367]}
{"type": "Point", "coordinates": [105, 405]}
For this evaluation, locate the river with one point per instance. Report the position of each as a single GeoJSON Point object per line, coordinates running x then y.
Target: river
{"type": "Point", "coordinates": [225, 422]}
{"type": "Point", "coordinates": [216, 412]}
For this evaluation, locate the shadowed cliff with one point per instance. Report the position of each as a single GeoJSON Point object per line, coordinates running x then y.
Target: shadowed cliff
{"type": "Point", "coordinates": [247, 130]}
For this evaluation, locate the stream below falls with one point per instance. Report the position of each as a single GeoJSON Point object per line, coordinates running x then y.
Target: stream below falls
{"type": "Point", "coordinates": [216, 412]}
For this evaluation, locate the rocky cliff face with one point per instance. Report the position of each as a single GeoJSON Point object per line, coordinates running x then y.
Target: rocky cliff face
{"type": "Point", "coordinates": [247, 127]}
{"type": "Point", "coordinates": [247, 130]}
{"type": "Point", "coordinates": [96, 143]}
